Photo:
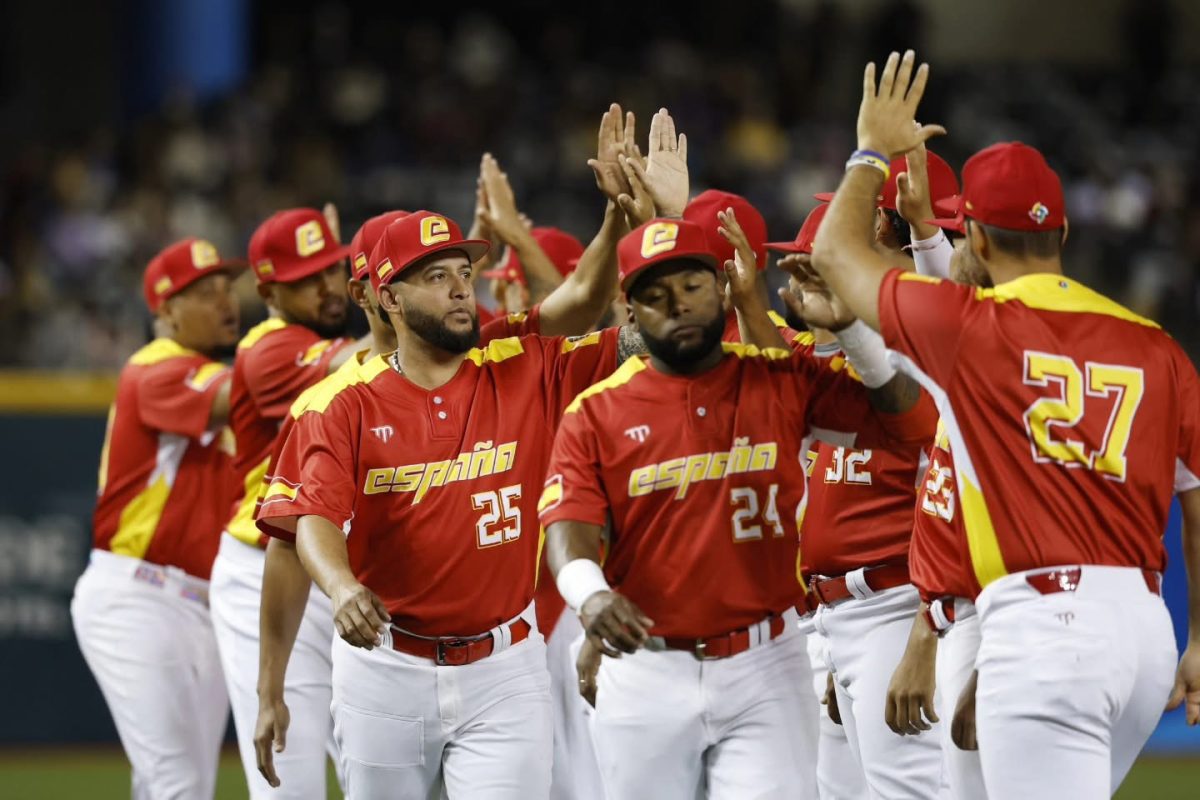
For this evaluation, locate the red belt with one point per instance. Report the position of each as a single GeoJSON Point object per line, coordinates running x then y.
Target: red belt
{"type": "Point", "coordinates": [725, 645]}
{"type": "Point", "coordinates": [455, 651]}
{"type": "Point", "coordinates": [834, 590]}
{"type": "Point", "coordinates": [1066, 579]}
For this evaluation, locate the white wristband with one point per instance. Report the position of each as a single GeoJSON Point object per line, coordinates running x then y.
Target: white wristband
{"type": "Point", "coordinates": [578, 580]}
{"type": "Point", "coordinates": [867, 353]}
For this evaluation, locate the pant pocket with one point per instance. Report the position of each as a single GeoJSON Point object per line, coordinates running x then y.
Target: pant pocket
{"type": "Point", "coordinates": [376, 739]}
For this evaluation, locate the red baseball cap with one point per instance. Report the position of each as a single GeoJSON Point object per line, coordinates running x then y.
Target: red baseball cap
{"type": "Point", "coordinates": [806, 236]}
{"type": "Point", "coordinates": [1008, 185]}
{"type": "Point", "coordinates": [292, 245]}
{"type": "Point", "coordinates": [181, 265]}
{"type": "Point", "coordinates": [366, 238]}
{"type": "Point", "coordinates": [560, 247]}
{"type": "Point", "coordinates": [942, 181]}
{"type": "Point", "coordinates": [703, 212]}
{"type": "Point", "coordinates": [662, 240]}
{"type": "Point", "coordinates": [414, 237]}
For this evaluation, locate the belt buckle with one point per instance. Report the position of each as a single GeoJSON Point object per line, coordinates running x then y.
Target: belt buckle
{"type": "Point", "coordinates": [440, 654]}
{"type": "Point", "coordinates": [700, 651]}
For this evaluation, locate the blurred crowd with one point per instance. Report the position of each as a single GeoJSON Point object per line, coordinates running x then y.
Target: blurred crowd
{"type": "Point", "coordinates": [378, 113]}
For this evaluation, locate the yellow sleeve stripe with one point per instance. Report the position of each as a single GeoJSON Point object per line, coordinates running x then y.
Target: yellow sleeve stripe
{"type": "Point", "coordinates": [278, 488]}
{"type": "Point", "coordinates": [776, 320]}
{"type": "Point", "coordinates": [552, 494]}
{"type": "Point", "coordinates": [575, 342]}
{"type": "Point", "coordinates": [260, 330]}
{"type": "Point", "coordinates": [804, 338]}
{"type": "Point", "coordinates": [317, 398]}
{"type": "Point", "coordinates": [622, 376]}
{"type": "Point", "coordinates": [918, 277]}
{"type": "Point", "coordinates": [750, 351]}
{"type": "Point", "coordinates": [203, 377]}
{"type": "Point", "coordinates": [157, 351]}
{"type": "Point", "coordinates": [496, 351]}
{"type": "Point", "coordinates": [313, 354]}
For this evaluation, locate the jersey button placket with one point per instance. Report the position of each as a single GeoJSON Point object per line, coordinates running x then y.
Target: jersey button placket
{"type": "Point", "coordinates": [441, 418]}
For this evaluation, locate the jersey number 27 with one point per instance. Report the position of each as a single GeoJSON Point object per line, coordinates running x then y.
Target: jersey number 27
{"type": "Point", "coordinates": [1052, 422]}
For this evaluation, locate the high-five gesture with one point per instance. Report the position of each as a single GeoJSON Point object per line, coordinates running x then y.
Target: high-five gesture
{"type": "Point", "coordinates": [666, 172]}
{"type": "Point", "coordinates": [809, 297]}
{"type": "Point", "coordinates": [886, 117]}
{"type": "Point", "coordinates": [615, 140]}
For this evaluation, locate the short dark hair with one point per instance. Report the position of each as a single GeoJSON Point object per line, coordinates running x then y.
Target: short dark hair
{"type": "Point", "coordinates": [1025, 244]}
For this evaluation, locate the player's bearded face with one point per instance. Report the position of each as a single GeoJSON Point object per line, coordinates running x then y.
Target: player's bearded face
{"type": "Point", "coordinates": [444, 332]}
{"type": "Point", "coordinates": [318, 302]}
{"type": "Point", "coordinates": [680, 316]}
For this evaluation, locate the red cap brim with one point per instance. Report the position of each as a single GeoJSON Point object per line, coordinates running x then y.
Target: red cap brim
{"type": "Point", "coordinates": [785, 247]}
{"type": "Point", "coordinates": [824, 197]}
{"type": "Point", "coordinates": [474, 248]}
{"type": "Point", "coordinates": [312, 266]}
{"type": "Point", "coordinates": [956, 224]}
{"type": "Point", "coordinates": [495, 274]}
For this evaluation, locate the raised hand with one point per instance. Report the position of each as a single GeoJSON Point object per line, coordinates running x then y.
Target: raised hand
{"type": "Point", "coordinates": [614, 140]}
{"type": "Point", "coordinates": [912, 188]}
{"type": "Point", "coordinates": [501, 215]}
{"type": "Point", "coordinates": [613, 623]}
{"type": "Point", "coordinates": [331, 218]}
{"type": "Point", "coordinates": [666, 172]}
{"type": "Point", "coordinates": [743, 269]}
{"type": "Point", "coordinates": [810, 298]}
{"type": "Point", "coordinates": [480, 229]}
{"type": "Point", "coordinates": [638, 205]}
{"type": "Point", "coordinates": [886, 118]}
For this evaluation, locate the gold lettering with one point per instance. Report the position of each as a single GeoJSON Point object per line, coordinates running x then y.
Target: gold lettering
{"type": "Point", "coordinates": [763, 457]}
{"type": "Point", "coordinates": [641, 480]}
{"type": "Point", "coordinates": [407, 478]}
{"type": "Point", "coordinates": [506, 456]}
{"type": "Point", "coordinates": [697, 465]}
{"type": "Point", "coordinates": [435, 475]}
{"type": "Point", "coordinates": [460, 468]}
{"type": "Point", "coordinates": [379, 480]}
{"type": "Point", "coordinates": [717, 467]}
{"type": "Point", "coordinates": [739, 456]}
{"type": "Point", "coordinates": [483, 463]}
{"type": "Point", "coordinates": [670, 474]}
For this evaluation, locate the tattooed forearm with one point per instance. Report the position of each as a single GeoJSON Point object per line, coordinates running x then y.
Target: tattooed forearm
{"type": "Point", "coordinates": [629, 343]}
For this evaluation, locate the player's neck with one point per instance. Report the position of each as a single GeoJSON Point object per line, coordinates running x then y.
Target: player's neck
{"type": "Point", "coordinates": [710, 361]}
{"type": "Point", "coordinates": [1003, 270]}
{"type": "Point", "coordinates": [425, 365]}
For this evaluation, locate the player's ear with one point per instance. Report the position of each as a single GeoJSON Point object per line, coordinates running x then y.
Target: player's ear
{"type": "Point", "coordinates": [1066, 231]}
{"type": "Point", "coordinates": [267, 292]}
{"type": "Point", "coordinates": [358, 293]}
{"type": "Point", "coordinates": [978, 242]}
{"type": "Point", "coordinates": [630, 319]}
{"type": "Point", "coordinates": [388, 300]}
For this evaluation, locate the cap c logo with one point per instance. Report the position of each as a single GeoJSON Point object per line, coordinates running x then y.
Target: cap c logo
{"type": "Point", "coordinates": [204, 255]}
{"type": "Point", "coordinates": [434, 230]}
{"type": "Point", "coordinates": [1039, 213]}
{"type": "Point", "coordinates": [309, 239]}
{"type": "Point", "coordinates": [659, 238]}
{"type": "Point", "coordinates": [385, 269]}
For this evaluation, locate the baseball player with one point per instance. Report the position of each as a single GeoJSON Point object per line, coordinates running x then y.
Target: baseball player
{"type": "Point", "coordinates": [298, 262]}
{"type": "Point", "coordinates": [407, 490]}
{"type": "Point", "coordinates": [1088, 415]}
{"type": "Point", "coordinates": [854, 550]}
{"type": "Point", "coordinates": [140, 609]}
{"type": "Point", "coordinates": [559, 248]}
{"type": "Point", "coordinates": [706, 681]}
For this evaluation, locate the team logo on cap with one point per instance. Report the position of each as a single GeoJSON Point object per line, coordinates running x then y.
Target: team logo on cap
{"type": "Point", "coordinates": [1039, 213]}
{"type": "Point", "coordinates": [265, 269]}
{"type": "Point", "coordinates": [385, 269]}
{"type": "Point", "coordinates": [162, 285]}
{"type": "Point", "coordinates": [204, 255]}
{"type": "Point", "coordinates": [434, 230]}
{"type": "Point", "coordinates": [360, 262]}
{"type": "Point", "coordinates": [309, 239]}
{"type": "Point", "coordinates": [659, 238]}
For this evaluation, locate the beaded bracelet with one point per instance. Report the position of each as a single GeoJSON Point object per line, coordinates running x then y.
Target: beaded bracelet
{"type": "Point", "coordinates": [871, 159]}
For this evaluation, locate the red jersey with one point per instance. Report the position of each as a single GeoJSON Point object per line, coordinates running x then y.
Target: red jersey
{"type": "Point", "coordinates": [1071, 419]}
{"type": "Point", "coordinates": [703, 478]}
{"type": "Point", "coordinates": [275, 362]}
{"type": "Point", "coordinates": [938, 561]}
{"type": "Point", "coordinates": [164, 481]}
{"type": "Point", "coordinates": [437, 489]}
{"type": "Point", "coordinates": [860, 508]}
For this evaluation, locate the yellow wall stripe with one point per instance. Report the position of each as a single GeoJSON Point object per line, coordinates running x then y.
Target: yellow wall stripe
{"type": "Point", "coordinates": [45, 392]}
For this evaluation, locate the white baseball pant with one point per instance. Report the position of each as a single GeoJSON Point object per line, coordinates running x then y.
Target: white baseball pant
{"type": "Point", "coordinates": [574, 775]}
{"type": "Point", "coordinates": [955, 662]}
{"type": "Point", "coordinates": [839, 777]}
{"type": "Point", "coordinates": [1071, 684]}
{"type": "Point", "coordinates": [673, 727]}
{"type": "Point", "coordinates": [867, 636]}
{"type": "Point", "coordinates": [236, 594]}
{"type": "Point", "coordinates": [408, 728]}
{"type": "Point", "coordinates": [145, 633]}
